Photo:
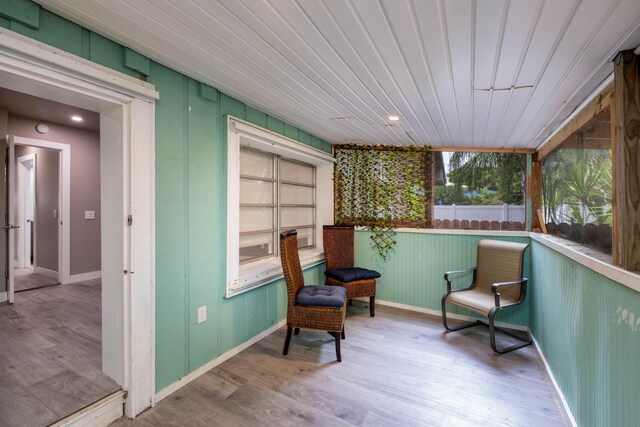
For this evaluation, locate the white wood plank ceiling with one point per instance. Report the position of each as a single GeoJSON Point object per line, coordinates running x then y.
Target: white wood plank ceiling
{"type": "Point", "coordinates": [458, 73]}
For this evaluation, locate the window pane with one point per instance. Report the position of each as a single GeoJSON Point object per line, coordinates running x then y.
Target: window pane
{"type": "Point", "coordinates": [256, 164]}
{"type": "Point", "coordinates": [255, 219]}
{"type": "Point", "coordinates": [256, 246]}
{"type": "Point", "coordinates": [483, 191]}
{"type": "Point", "coordinates": [296, 172]}
{"type": "Point", "coordinates": [576, 186]}
{"type": "Point", "coordinates": [292, 217]}
{"type": "Point", "coordinates": [253, 191]}
{"type": "Point", "coordinates": [294, 194]}
{"type": "Point", "coordinates": [305, 237]}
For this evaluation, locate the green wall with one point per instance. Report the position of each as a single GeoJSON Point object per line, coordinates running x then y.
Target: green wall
{"type": "Point", "coordinates": [592, 346]}
{"type": "Point", "coordinates": [190, 199]}
{"type": "Point", "coordinates": [413, 273]}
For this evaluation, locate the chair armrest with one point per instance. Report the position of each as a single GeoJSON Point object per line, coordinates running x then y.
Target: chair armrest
{"type": "Point", "coordinates": [449, 273]}
{"type": "Point", "coordinates": [495, 288]}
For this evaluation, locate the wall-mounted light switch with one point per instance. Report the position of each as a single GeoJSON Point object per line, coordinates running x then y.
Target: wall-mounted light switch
{"type": "Point", "coordinates": [202, 314]}
{"type": "Point", "coordinates": [89, 214]}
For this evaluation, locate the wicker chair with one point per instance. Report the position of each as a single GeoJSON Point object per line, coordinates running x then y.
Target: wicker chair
{"type": "Point", "coordinates": [497, 283]}
{"type": "Point", "coordinates": [338, 253]}
{"type": "Point", "coordinates": [309, 307]}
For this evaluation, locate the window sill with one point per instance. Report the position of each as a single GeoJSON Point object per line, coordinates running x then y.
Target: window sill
{"type": "Point", "coordinates": [591, 259]}
{"type": "Point", "coordinates": [456, 231]}
{"type": "Point", "coordinates": [267, 271]}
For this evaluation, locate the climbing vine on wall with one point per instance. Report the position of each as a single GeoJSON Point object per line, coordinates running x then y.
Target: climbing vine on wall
{"type": "Point", "coordinates": [383, 188]}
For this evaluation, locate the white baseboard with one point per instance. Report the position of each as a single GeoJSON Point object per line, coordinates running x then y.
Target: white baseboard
{"type": "Point", "coordinates": [3, 296]}
{"type": "Point", "coordinates": [102, 413]}
{"type": "Point", "coordinates": [74, 278]}
{"type": "Point", "coordinates": [565, 405]}
{"type": "Point", "coordinates": [449, 315]}
{"type": "Point", "coordinates": [46, 272]}
{"type": "Point", "coordinates": [215, 362]}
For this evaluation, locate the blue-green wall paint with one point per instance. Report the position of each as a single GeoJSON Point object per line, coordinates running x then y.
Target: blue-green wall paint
{"type": "Point", "coordinates": [191, 191]}
{"type": "Point", "coordinates": [413, 272]}
{"type": "Point", "coordinates": [577, 318]}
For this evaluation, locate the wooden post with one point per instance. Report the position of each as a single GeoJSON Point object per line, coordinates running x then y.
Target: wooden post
{"type": "Point", "coordinates": [627, 161]}
{"type": "Point", "coordinates": [534, 190]}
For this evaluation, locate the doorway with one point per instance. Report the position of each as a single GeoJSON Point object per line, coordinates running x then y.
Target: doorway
{"type": "Point", "coordinates": [38, 203]}
{"type": "Point", "coordinates": [126, 108]}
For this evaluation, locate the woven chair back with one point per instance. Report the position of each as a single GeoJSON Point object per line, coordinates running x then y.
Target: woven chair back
{"type": "Point", "coordinates": [338, 246]}
{"type": "Point", "coordinates": [291, 268]}
{"type": "Point", "coordinates": [500, 261]}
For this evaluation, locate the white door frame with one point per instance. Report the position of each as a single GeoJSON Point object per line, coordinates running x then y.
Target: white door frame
{"type": "Point", "coordinates": [127, 144]}
{"type": "Point", "coordinates": [25, 177]}
{"type": "Point", "coordinates": [64, 201]}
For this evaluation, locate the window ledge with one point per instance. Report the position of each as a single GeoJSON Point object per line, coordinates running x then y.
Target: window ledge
{"type": "Point", "coordinates": [591, 259]}
{"type": "Point", "coordinates": [454, 231]}
{"type": "Point", "coordinates": [269, 270]}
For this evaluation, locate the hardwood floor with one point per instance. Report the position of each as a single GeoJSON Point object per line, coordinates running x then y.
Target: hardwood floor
{"type": "Point", "coordinates": [398, 369]}
{"type": "Point", "coordinates": [26, 280]}
{"type": "Point", "coordinates": [50, 354]}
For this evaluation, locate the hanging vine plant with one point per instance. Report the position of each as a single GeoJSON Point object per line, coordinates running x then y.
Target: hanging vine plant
{"type": "Point", "coordinates": [383, 188]}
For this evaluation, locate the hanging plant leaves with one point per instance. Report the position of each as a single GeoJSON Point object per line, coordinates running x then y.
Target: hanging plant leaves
{"type": "Point", "coordinates": [383, 188]}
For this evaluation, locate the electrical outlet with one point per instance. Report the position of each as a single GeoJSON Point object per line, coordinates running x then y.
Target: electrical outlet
{"type": "Point", "coordinates": [89, 214]}
{"type": "Point", "coordinates": [202, 314]}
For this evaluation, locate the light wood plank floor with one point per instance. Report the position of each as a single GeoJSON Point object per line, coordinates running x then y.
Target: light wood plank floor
{"type": "Point", "coordinates": [398, 369]}
{"type": "Point", "coordinates": [26, 280]}
{"type": "Point", "coordinates": [50, 354]}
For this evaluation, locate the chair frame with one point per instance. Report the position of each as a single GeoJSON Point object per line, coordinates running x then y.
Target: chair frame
{"type": "Point", "coordinates": [330, 319]}
{"type": "Point", "coordinates": [495, 289]}
{"type": "Point", "coordinates": [343, 257]}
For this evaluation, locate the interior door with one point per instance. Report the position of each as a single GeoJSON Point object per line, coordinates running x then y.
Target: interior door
{"type": "Point", "coordinates": [7, 199]}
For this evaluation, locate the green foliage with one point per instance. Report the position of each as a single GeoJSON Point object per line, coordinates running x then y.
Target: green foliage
{"type": "Point", "coordinates": [382, 188]}
{"type": "Point", "coordinates": [502, 173]}
{"type": "Point", "coordinates": [580, 180]}
{"type": "Point", "coordinates": [451, 195]}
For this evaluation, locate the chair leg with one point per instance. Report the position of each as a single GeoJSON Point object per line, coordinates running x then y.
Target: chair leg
{"type": "Point", "coordinates": [342, 333]}
{"type": "Point", "coordinates": [492, 335]}
{"type": "Point", "coordinates": [296, 331]}
{"type": "Point", "coordinates": [350, 302]}
{"type": "Point", "coordinates": [372, 306]}
{"type": "Point", "coordinates": [285, 350]}
{"type": "Point", "coordinates": [337, 335]}
{"type": "Point", "coordinates": [457, 328]}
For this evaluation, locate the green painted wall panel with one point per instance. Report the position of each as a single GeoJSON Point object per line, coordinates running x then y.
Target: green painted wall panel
{"type": "Point", "coordinates": [55, 31]}
{"type": "Point", "coordinates": [256, 117]}
{"type": "Point", "coordinates": [203, 196]}
{"type": "Point", "coordinates": [232, 106]}
{"type": "Point", "coordinates": [25, 12]}
{"type": "Point", "coordinates": [108, 53]}
{"type": "Point", "coordinates": [171, 271]}
{"type": "Point", "coordinates": [588, 329]}
{"type": "Point", "coordinates": [291, 131]}
{"type": "Point", "coordinates": [136, 62]}
{"type": "Point", "coordinates": [413, 272]}
{"type": "Point", "coordinates": [326, 147]}
{"type": "Point", "coordinates": [275, 125]}
{"type": "Point", "coordinates": [305, 137]}
{"type": "Point", "coordinates": [5, 23]}
{"type": "Point", "coordinates": [316, 142]}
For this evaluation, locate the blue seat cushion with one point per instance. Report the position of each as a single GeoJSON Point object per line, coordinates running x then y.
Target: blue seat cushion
{"type": "Point", "coordinates": [321, 296]}
{"type": "Point", "coordinates": [346, 275]}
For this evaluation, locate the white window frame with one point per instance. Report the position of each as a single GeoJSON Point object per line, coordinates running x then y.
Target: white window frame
{"type": "Point", "coordinates": [243, 278]}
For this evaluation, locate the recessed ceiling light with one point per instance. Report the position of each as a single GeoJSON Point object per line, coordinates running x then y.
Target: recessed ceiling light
{"type": "Point", "coordinates": [76, 118]}
{"type": "Point", "coordinates": [394, 118]}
